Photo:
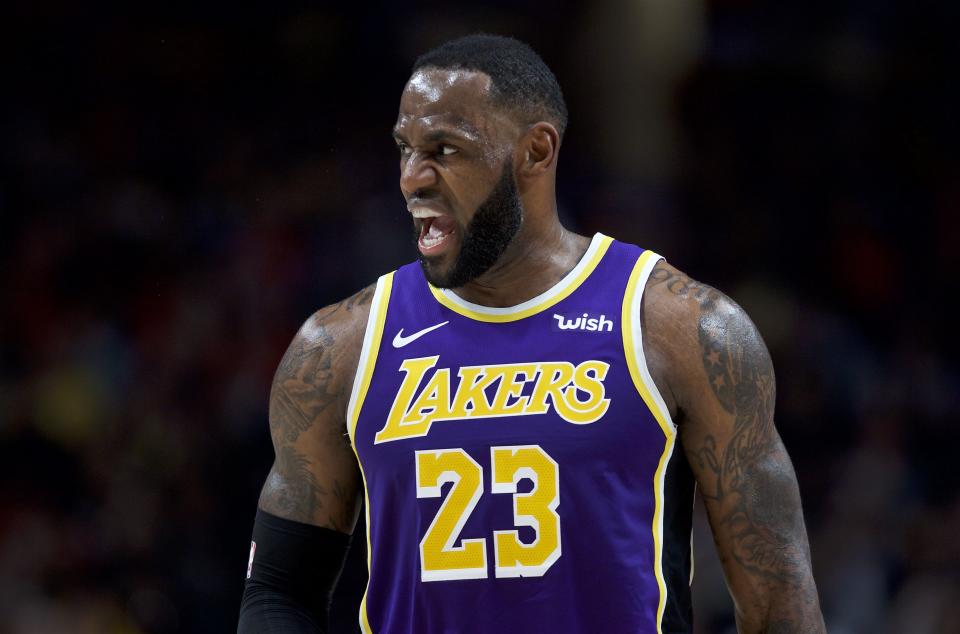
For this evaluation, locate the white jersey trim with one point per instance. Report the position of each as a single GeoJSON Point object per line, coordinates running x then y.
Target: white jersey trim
{"type": "Point", "coordinates": [372, 331]}
{"type": "Point", "coordinates": [643, 381]}
{"type": "Point", "coordinates": [646, 268]}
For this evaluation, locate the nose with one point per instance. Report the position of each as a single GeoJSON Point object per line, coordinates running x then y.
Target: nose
{"type": "Point", "coordinates": [416, 172]}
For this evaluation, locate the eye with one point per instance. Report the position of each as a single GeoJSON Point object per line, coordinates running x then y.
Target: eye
{"type": "Point", "coordinates": [446, 150]}
{"type": "Point", "coordinates": [403, 148]}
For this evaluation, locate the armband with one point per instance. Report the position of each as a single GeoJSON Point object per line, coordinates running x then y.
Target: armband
{"type": "Point", "coordinates": [291, 572]}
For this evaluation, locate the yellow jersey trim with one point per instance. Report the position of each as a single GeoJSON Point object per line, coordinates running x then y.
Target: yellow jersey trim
{"type": "Point", "coordinates": [560, 291]}
{"type": "Point", "coordinates": [368, 360]}
{"type": "Point", "coordinates": [636, 362]}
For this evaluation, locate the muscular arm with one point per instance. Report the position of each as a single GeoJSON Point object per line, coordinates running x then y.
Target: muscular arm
{"type": "Point", "coordinates": [315, 478]}
{"type": "Point", "coordinates": [715, 373]}
{"type": "Point", "coordinates": [310, 500]}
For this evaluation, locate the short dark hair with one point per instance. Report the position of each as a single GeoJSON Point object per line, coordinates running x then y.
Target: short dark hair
{"type": "Point", "coordinates": [521, 81]}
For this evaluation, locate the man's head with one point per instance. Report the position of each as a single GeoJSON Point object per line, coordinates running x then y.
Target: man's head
{"type": "Point", "coordinates": [479, 127]}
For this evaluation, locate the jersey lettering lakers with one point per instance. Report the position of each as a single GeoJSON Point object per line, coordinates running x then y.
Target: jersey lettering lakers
{"type": "Point", "coordinates": [520, 465]}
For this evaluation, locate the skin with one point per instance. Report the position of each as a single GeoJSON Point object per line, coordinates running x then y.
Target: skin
{"type": "Point", "coordinates": [452, 148]}
{"type": "Point", "coordinates": [705, 355]}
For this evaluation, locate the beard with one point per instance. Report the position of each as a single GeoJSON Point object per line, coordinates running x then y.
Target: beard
{"type": "Point", "coordinates": [486, 237]}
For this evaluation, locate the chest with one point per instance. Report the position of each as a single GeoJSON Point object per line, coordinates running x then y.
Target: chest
{"type": "Point", "coordinates": [558, 381]}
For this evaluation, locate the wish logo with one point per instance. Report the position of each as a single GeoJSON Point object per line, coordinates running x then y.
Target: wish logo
{"type": "Point", "coordinates": [582, 322]}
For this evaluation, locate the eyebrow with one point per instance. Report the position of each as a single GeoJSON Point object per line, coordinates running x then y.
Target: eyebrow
{"type": "Point", "coordinates": [465, 132]}
{"type": "Point", "coordinates": [435, 136]}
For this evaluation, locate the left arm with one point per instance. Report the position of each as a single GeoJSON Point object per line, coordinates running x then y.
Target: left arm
{"type": "Point", "coordinates": [720, 381]}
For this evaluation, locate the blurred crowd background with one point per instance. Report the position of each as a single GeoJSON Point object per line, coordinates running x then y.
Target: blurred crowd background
{"type": "Point", "coordinates": [182, 186]}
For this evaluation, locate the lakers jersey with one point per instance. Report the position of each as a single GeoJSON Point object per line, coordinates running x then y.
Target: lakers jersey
{"type": "Point", "coordinates": [520, 465]}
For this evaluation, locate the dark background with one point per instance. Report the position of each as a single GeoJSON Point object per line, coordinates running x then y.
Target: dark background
{"type": "Point", "coordinates": [182, 187]}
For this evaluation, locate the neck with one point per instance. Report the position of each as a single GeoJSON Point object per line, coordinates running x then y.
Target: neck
{"type": "Point", "coordinates": [537, 258]}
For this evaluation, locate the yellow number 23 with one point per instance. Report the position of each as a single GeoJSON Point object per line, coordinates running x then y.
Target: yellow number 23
{"type": "Point", "coordinates": [442, 559]}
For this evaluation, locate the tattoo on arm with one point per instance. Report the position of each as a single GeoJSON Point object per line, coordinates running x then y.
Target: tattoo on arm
{"type": "Point", "coordinates": [754, 482]}
{"type": "Point", "coordinates": [295, 491]}
{"type": "Point", "coordinates": [302, 385]}
{"type": "Point", "coordinates": [307, 393]}
{"type": "Point", "coordinates": [748, 481]}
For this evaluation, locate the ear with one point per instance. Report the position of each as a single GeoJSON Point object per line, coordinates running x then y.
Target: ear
{"type": "Point", "coordinates": [540, 146]}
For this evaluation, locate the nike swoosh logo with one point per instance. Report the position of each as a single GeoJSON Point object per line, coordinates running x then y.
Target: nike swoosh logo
{"type": "Point", "coordinates": [400, 341]}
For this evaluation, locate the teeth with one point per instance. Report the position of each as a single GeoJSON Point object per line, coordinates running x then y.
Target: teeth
{"type": "Point", "coordinates": [432, 241]}
{"type": "Point", "coordinates": [424, 213]}
{"type": "Point", "coordinates": [432, 238]}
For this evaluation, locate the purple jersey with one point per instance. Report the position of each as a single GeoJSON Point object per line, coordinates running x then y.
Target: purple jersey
{"type": "Point", "coordinates": [519, 463]}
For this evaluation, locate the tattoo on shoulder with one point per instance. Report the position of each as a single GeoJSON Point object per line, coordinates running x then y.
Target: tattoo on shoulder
{"type": "Point", "coordinates": [364, 297]}
{"type": "Point", "coordinates": [679, 284]}
{"type": "Point", "coordinates": [303, 386]}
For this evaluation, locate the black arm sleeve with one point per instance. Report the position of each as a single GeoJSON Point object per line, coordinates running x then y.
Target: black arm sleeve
{"type": "Point", "coordinates": [293, 569]}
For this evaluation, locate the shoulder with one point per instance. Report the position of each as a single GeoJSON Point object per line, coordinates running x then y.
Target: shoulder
{"type": "Point", "coordinates": [314, 477]}
{"type": "Point", "coordinates": [693, 334]}
{"type": "Point", "coordinates": [672, 297]}
{"type": "Point", "coordinates": [336, 325]}
{"type": "Point", "coordinates": [317, 369]}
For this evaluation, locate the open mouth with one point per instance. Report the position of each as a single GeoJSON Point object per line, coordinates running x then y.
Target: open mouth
{"type": "Point", "coordinates": [434, 231]}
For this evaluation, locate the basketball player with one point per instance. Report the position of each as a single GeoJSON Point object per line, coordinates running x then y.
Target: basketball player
{"type": "Point", "coordinates": [526, 410]}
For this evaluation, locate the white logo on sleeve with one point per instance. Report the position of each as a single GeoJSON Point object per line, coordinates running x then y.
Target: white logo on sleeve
{"type": "Point", "coordinates": [400, 341]}
{"type": "Point", "coordinates": [584, 322]}
{"type": "Point", "coordinates": [253, 549]}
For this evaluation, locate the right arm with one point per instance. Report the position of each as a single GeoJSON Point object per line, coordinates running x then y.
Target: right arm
{"type": "Point", "coordinates": [309, 504]}
{"type": "Point", "coordinates": [315, 478]}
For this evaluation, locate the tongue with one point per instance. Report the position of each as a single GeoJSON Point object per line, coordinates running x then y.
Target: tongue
{"type": "Point", "coordinates": [440, 226]}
